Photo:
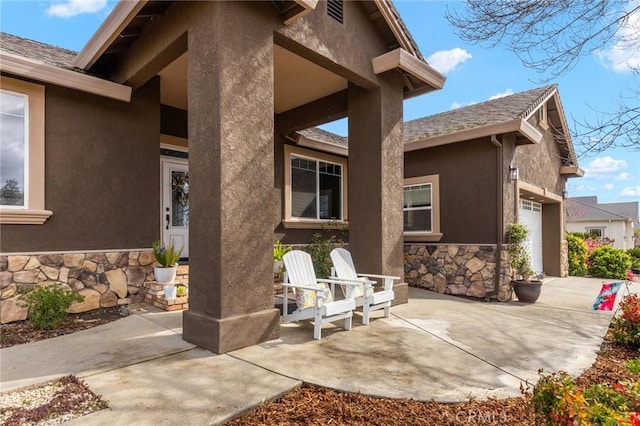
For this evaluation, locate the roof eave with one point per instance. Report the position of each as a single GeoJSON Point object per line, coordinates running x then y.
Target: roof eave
{"type": "Point", "coordinates": [121, 15]}
{"type": "Point", "coordinates": [571, 171]}
{"type": "Point", "coordinates": [516, 125]}
{"type": "Point", "coordinates": [318, 144]}
{"type": "Point", "coordinates": [39, 71]}
{"type": "Point", "coordinates": [409, 63]}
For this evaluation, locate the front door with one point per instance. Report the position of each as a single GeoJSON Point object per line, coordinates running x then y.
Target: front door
{"type": "Point", "coordinates": [175, 203]}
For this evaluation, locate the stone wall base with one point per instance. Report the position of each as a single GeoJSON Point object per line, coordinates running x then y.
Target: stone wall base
{"type": "Point", "coordinates": [458, 269]}
{"type": "Point", "coordinates": [105, 279]}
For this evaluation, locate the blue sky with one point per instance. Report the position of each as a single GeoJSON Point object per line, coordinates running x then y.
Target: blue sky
{"type": "Point", "coordinates": [474, 74]}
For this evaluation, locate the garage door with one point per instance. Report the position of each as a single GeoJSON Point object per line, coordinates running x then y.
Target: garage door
{"type": "Point", "coordinates": [531, 217]}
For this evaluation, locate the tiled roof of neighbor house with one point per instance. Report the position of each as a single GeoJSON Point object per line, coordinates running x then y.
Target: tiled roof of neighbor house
{"type": "Point", "coordinates": [580, 211]}
{"type": "Point", "coordinates": [493, 111]}
{"type": "Point", "coordinates": [318, 134]}
{"type": "Point", "coordinates": [43, 52]}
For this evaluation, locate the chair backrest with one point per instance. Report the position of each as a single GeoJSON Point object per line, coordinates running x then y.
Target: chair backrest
{"type": "Point", "coordinates": [343, 263]}
{"type": "Point", "coordinates": [300, 271]}
{"type": "Point", "coordinates": [344, 268]}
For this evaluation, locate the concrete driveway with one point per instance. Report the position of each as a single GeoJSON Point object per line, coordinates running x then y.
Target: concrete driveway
{"type": "Point", "coordinates": [436, 347]}
{"type": "Point", "coordinates": [445, 348]}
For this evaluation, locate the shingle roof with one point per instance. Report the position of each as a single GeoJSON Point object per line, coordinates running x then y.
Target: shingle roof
{"type": "Point", "coordinates": [31, 49]}
{"type": "Point", "coordinates": [580, 211]}
{"type": "Point", "coordinates": [324, 136]}
{"type": "Point", "coordinates": [494, 111]}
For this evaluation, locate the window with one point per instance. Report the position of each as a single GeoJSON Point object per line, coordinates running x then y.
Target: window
{"type": "Point", "coordinates": [422, 209]}
{"type": "Point", "coordinates": [598, 232]}
{"type": "Point", "coordinates": [21, 152]}
{"type": "Point", "coordinates": [315, 187]}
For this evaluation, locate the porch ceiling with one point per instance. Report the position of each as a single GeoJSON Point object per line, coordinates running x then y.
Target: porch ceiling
{"type": "Point", "coordinates": [297, 81]}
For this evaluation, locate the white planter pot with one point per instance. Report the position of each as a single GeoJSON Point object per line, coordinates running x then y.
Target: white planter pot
{"type": "Point", "coordinates": [170, 292]}
{"type": "Point", "coordinates": [277, 266]}
{"type": "Point", "coordinates": [165, 275]}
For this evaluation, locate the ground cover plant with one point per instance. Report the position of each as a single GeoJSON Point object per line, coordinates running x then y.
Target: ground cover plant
{"type": "Point", "coordinates": [48, 305]}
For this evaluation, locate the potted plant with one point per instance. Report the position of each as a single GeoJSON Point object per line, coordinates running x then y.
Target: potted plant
{"type": "Point", "coordinates": [167, 257]}
{"type": "Point", "coordinates": [278, 253]}
{"type": "Point", "coordinates": [527, 290]}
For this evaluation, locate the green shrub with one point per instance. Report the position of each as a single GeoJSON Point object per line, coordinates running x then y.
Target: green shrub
{"type": "Point", "coordinates": [634, 252]}
{"type": "Point", "coordinates": [320, 247]}
{"type": "Point", "coordinates": [577, 251]}
{"type": "Point", "coordinates": [558, 402]}
{"type": "Point", "coordinates": [626, 326]}
{"type": "Point", "coordinates": [634, 366]}
{"type": "Point", "coordinates": [608, 262]}
{"type": "Point", "coordinates": [48, 305]}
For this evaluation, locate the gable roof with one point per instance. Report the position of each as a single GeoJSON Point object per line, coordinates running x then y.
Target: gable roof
{"type": "Point", "coordinates": [517, 106]}
{"type": "Point", "coordinates": [581, 209]}
{"type": "Point", "coordinates": [47, 53]}
{"type": "Point", "coordinates": [51, 64]}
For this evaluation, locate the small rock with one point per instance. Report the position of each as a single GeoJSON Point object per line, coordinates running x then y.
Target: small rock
{"type": "Point", "coordinates": [12, 310]}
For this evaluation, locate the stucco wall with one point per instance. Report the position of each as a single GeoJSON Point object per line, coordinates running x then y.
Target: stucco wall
{"type": "Point", "coordinates": [468, 210]}
{"type": "Point", "coordinates": [101, 174]}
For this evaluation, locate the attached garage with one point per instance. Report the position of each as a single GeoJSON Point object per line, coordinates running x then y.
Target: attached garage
{"type": "Point", "coordinates": [531, 217]}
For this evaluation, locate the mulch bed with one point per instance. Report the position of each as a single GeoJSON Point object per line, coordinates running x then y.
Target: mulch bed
{"type": "Point", "coordinates": [19, 332]}
{"type": "Point", "coordinates": [313, 405]}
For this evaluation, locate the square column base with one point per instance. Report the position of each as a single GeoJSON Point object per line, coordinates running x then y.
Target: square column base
{"type": "Point", "coordinates": [401, 292]}
{"type": "Point", "coordinates": [228, 334]}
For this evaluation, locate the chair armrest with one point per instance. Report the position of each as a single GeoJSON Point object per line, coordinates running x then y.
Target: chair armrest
{"type": "Point", "coordinates": [306, 287]}
{"type": "Point", "coordinates": [346, 281]}
{"type": "Point", "coordinates": [379, 276]}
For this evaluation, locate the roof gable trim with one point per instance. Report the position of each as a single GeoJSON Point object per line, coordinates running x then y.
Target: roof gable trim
{"type": "Point", "coordinates": [117, 20]}
{"type": "Point", "coordinates": [400, 58]}
{"type": "Point", "coordinates": [40, 71]}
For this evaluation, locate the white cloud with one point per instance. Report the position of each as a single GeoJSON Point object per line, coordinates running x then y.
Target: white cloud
{"type": "Point", "coordinates": [456, 104]}
{"type": "Point", "coordinates": [632, 191]}
{"type": "Point", "coordinates": [446, 61]}
{"type": "Point", "coordinates": [72, 8]}
{"type": "Point", "coordinates": [624, 176]}
{"type": "Point", "coordinates": [624, 54]}
{"type": "Point", "coordinates": [507, 92]}
{"type": "Point", "coordinates": [603, 167]}
{"type": "Point", "coordinates": [609, 186]}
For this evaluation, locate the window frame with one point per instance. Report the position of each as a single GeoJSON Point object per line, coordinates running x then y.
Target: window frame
{"type": "Point", "coordinates": [308, 223]}
{"type": "Point", "coordinates": [588, 230]}
{"type": "Point", "coordinates": [543, 116]}
{"type": "Point", "coordinates": [435, 234]}
{"type": "Point", "coordinates": [33, 211]}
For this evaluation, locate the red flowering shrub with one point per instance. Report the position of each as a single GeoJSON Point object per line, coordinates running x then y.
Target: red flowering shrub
{"type": "Point", "coordinates": [626, 327]}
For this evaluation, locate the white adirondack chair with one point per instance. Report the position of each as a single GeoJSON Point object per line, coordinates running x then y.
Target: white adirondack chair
{"type": "Point", "coordinates": [365, 296]}
{"type": "Point", "coordinates": [314, 300]}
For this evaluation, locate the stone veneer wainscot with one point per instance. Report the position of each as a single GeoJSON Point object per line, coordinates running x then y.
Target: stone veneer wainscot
{"type": "Point", "coordinates": [457, 269]}
{"type": "Point", "coordinates": [105, 279]}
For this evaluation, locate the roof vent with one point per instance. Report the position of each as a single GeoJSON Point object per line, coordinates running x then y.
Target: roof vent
{"type": "Point", "coordinates": [334, 9]}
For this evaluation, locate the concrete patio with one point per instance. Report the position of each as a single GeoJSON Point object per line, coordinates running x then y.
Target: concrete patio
{"type": "Point", "coordinates": [436, 347]}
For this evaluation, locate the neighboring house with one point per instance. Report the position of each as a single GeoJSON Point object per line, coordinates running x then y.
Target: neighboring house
{"type": "Point", "coordinates": [468, 174]}
{"type": "Point", "coordinates": [94, 149]}
{"type": "Point", "coordinates": [615, 221]}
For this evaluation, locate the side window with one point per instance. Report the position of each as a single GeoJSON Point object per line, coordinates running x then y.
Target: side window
{"type": "Point", "coordinates": [22, 185]}
{"type": "Point", "coordinates": [422, 208]}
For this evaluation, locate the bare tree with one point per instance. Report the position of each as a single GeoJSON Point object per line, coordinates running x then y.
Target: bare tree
{"type": "Point", "coordinates": [551, 36]}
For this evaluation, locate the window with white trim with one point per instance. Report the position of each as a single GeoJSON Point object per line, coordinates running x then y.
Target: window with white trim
{"type": "Point", "coordinates": [598, 232]}
{"type": "Point", "coordinates": [315, 187]}
{"type": "Point", "coordinates": [14, 150]}
{"type": "Point", "coordinates": [22, 185]}
{"type": "Point", "coordinates": [421, 208]}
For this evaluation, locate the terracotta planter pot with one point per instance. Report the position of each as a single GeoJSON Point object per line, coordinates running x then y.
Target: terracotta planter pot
{"type": "Point", "coordinates": [527, 292]}
{"type": "Point", "coordinates": [165, 275]}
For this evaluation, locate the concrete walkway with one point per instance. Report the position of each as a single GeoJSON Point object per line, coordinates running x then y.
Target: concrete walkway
{"type": "Point", "coordinates": [435, 347]}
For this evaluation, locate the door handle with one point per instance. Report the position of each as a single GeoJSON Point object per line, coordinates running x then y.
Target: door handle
{"type": "Point", "coordinates": [168, 217]}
